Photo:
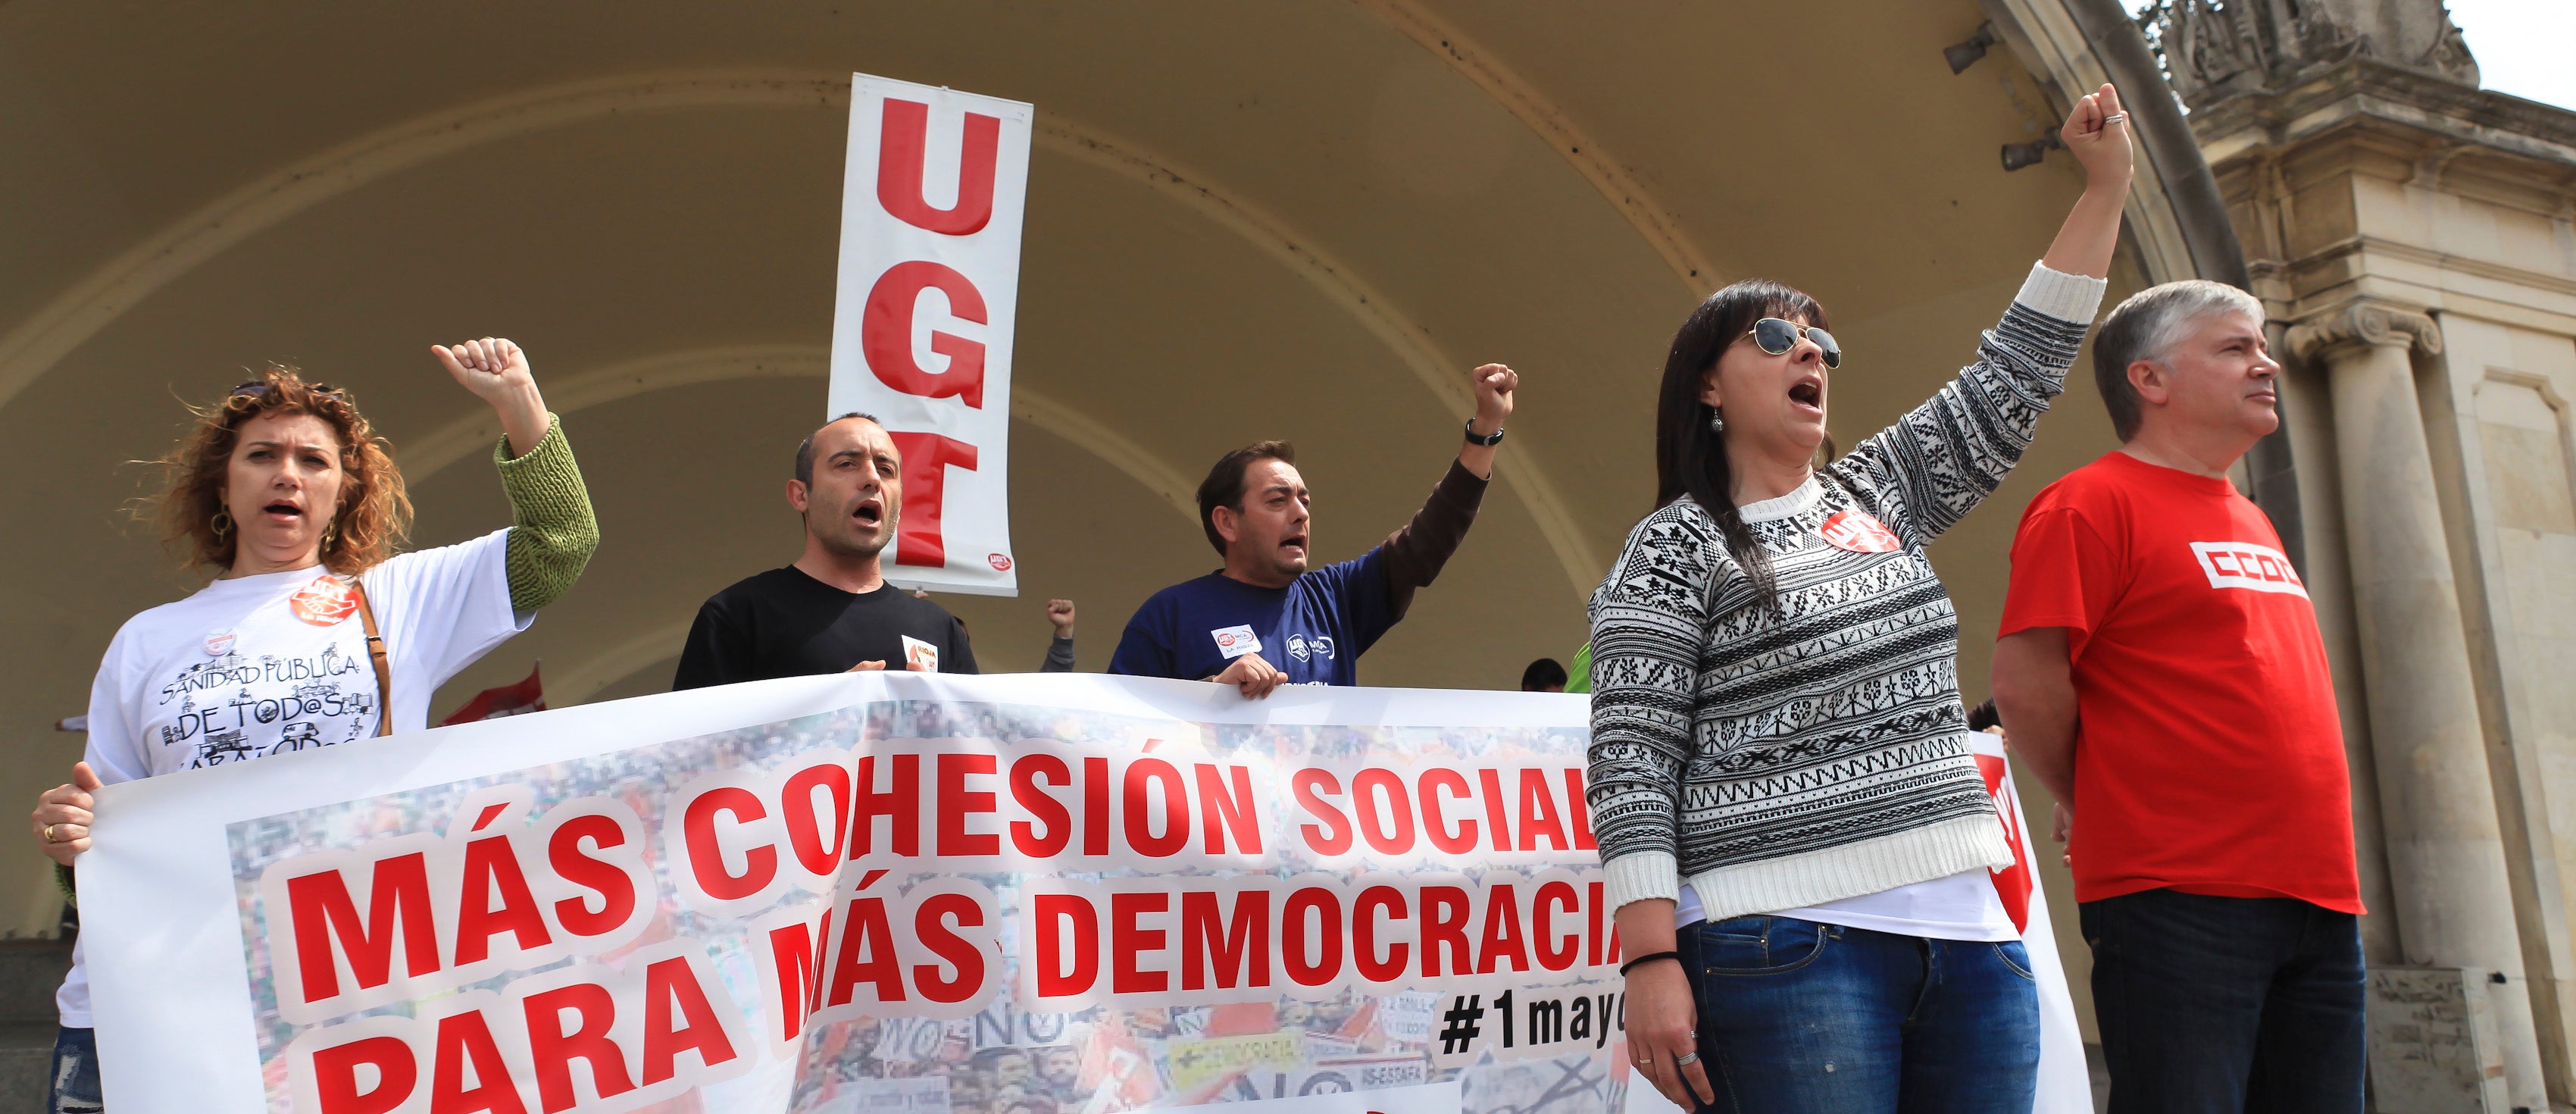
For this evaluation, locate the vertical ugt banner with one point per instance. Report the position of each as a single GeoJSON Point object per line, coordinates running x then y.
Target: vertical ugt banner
{"type": "Point", "coordinates": [921, 332]}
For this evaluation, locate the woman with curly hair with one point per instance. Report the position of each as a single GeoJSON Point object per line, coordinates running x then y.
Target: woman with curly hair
{"type": "Point", "coordinates": [314, 631]}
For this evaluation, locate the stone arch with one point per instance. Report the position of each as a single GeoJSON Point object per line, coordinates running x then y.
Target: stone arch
{"type": "Point", "coordinates": [32, 347]}
{"type": "Point", "coordinates": [1542, 115]}
{"type": "Point", "coordinates": [425, 456]}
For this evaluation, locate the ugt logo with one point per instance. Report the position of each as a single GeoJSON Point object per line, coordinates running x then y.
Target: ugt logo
{"type": "Point", "coordinates": [323, 603]}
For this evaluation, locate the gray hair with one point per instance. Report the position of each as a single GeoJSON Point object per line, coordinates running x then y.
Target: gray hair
{"type": "Point", "coordinates": [2146, 327]}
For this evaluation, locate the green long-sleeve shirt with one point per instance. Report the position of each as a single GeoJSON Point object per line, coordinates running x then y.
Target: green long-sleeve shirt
{"type": "Point", "coordinates": [552, 530]}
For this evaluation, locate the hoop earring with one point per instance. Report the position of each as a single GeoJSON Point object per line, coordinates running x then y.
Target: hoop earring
{"type": "Point", "coordinates": [330, 535]}
{"type": "Point", "coordinates": [222, 523]}
{"type": "Point", "coordinates": [1716, 421]}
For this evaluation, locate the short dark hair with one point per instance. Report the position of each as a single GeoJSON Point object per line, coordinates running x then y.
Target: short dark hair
{"type": "Point", "coordinates": [1542, 675]}
{"type": "Point", "coordinates": [1223, 486]}
{"type": "Point", "coordinates": [805, 448]}
{"type": "Point", "coordinates": [1984, 716]}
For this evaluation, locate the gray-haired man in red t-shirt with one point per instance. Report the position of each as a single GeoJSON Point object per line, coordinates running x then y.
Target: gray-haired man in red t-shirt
{"type": "Point", "coordinates": [2212, 831]}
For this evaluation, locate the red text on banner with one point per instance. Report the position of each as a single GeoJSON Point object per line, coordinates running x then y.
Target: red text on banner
{"type": "Point", "coordinates": [580, 1035]}
{"type": "Point", "coordinates": [403, 917]}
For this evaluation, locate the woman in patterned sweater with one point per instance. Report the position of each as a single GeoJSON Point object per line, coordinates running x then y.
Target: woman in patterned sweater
{"type": "Point", "coordinates": [1796, 837]}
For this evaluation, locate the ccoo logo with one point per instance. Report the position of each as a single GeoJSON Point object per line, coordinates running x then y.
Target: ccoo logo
{"type": "Point", "coordinates": [2247, 565]}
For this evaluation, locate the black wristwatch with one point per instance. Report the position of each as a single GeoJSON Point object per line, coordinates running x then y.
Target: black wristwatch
{"type": "Point", "coordinates": [1472, 438]}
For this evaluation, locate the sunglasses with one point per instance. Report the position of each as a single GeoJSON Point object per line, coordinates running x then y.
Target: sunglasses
{"type": "Point", "coordinates": [259, 389]}
{"type": "Point", "coordinates": [1777, 337]}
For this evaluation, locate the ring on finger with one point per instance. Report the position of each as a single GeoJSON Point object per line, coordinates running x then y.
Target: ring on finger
{"type": "Point", "coordinates": [49, 834]}
{"type": "Point", "coordinates": [1685, 1059]}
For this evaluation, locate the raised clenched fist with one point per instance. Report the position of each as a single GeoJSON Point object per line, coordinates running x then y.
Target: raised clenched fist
{"type": "Point", "coordinates": [2099, 142]}
{"type": "Point", "coordinates": [1494, 384]}
{"type": "Point", "coordinates": [496, 370]}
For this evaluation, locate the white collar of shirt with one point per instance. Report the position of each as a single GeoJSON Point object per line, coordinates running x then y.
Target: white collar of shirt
{"type": "Point", "coordinates": [263, 583]}
{"type": "Point", "coordinates": [1772, 510]}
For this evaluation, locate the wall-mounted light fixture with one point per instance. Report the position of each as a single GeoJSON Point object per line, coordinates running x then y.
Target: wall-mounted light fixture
{"type": "Point", "coordinates": [1965, 54]}
{"type": "Point", "coordinates": [2019, 155]}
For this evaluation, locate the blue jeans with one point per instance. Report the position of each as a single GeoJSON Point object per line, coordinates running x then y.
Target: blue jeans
{"type": "Point", "coordinates": [2227, 1003]}
{"type": "Point", "coordinates": [1797, 1017]}
{"type": "Point", "coordinates": [75, 1076]}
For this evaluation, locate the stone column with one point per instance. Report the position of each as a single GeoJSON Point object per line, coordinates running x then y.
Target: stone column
{"type": "Point", "coordinates": [2446, 850]}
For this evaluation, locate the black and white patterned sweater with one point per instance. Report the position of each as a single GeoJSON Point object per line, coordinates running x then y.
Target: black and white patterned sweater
{"type": "Point", "coordinates": [1778, 760]}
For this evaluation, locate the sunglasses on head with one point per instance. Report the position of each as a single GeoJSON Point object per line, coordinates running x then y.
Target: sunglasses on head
{"type": "Point", "coordinates": [1777, 337]}
{"type": "Point", "coordinates": [258, 388]}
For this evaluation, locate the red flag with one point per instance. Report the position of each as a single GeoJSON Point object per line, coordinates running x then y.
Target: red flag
{"type": "Point", "coordinates": [2014, 883]}
{"type": "Point", "coordinates": [508, 700]}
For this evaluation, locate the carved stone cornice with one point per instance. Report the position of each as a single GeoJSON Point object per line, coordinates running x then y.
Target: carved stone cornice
{"type": "Point", "coordinates": [2214, 50]}
{"type": "Point", "coordinates": [2366, 323]}
{"type": "Point", "coordinates": [2361, 90]}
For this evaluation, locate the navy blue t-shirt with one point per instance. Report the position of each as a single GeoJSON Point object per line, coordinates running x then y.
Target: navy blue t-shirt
{"type": "Point", "coordinates": [1314, 630]}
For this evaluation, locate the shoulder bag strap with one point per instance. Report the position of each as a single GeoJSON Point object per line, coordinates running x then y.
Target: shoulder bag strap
{"type": "Point", "coordinates": [376, 654]}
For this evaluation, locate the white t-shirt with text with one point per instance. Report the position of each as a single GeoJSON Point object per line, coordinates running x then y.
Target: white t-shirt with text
{"type": "Point", "coordinates": [273, 664]}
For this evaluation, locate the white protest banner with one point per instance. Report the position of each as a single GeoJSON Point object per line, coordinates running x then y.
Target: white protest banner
{"type": "Point", "coordinates": [2065, 1083]}
{"type": "Point", "coordinates": [877, 892]}
{"type": "Point", "coordinates": [931, 207]}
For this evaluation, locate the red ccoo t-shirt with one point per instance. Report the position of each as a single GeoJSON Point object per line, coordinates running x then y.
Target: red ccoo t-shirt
{"type": "Point", "coordinates": [2208, 757]}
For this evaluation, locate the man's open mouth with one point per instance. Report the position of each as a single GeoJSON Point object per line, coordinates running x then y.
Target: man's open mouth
{"type": "Point", "coordinates": [869, 514]}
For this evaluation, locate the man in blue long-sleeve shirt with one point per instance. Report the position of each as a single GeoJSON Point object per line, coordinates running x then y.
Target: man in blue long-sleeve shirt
{"type": "Point", "coordinates": [1265, 619]}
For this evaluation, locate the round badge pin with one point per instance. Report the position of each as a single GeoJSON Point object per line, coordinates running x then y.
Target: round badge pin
{"type": "Point", "coordinates": [323, 603]}
{"type": "Point", "coordinates": [1859, 533]}
{"type": "Point", "coordinates": [219, 643]}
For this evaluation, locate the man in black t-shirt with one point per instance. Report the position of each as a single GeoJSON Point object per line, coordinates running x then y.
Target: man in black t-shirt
{"type": "Point", "coordinates": [832, 611]}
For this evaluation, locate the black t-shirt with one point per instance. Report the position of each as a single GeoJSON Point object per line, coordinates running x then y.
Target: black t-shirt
{"type": "Point", "coordinates": [783, 623]}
